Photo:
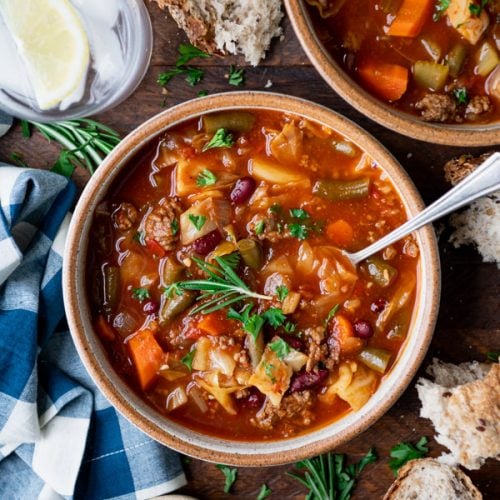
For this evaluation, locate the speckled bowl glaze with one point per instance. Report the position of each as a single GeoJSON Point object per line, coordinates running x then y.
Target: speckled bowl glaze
{"type": "Point", "coordinates": [403, 123]}
{"type": "Point", "coordinates": [188, 441]}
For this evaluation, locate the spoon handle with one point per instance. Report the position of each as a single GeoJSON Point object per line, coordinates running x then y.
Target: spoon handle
{"type": "Point", "coordinates": [483, 181]}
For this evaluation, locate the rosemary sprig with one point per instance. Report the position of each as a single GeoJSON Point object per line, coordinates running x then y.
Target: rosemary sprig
{"type": "Point", "coordinates": [85, 142]}
{"type": "Point", "coordinates": [222, 288]}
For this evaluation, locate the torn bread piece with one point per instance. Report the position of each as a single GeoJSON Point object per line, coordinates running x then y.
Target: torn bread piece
{"type": "Point", "coordinates": [463, 403]}
{"type": "Point", "coordinates": [228, 26]}
{"type": "Point", "coordinates": [429, 479]}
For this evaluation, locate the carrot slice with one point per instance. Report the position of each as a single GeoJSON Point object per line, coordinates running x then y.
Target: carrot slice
{"type": "Point", "coordinates": [104, 329]}
{"type": "Point", "coordinates": [155, 248]}
{"type": "Point", "coordinates": [344, 332]}
{"type": "Point", "coordinates": [147, 357]}
{"type": "Point", "coordinates": [211, 324]}
{"type": "Point", "coordinates": [411, 18]}
{"type": "Point", "coordinates": [388, 81]}
{"type": "Point", "coordinates": [340, 232]}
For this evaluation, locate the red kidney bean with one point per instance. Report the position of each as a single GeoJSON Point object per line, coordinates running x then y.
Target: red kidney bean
{"type": "Point", "coordinates": [378, 305]}
{"type": "Point", "coordinates": [293, 342]}
{"type": "Point", "coordinates": [242, 190]}
{"type": "Point", "coordinates": [207, 243]}
{"type": "Point", "coordinates": [305, 380]}
{"type": "Point", "coordinates": [150, 307]}
{"type": "Point", "coordinates": [362, 329]}
{"type": "Point", "coordinates": [255, 400]}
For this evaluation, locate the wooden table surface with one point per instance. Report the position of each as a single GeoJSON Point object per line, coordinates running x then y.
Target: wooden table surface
{"type": "Point", "coordinates": [469, 319]}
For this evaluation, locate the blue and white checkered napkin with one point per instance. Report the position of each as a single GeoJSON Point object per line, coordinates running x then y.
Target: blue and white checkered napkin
{"type": "Point", "coordinates": [59, 437]}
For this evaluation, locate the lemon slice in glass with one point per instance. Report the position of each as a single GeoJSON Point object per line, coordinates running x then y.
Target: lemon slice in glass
{"type": "Point", "coordinates": [52, 42]}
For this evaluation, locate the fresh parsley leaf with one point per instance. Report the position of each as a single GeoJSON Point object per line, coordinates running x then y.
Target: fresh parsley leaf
{"type": "Point", "coordinates": [404, 452]}
{"type": "Point", "coordinates": [280, 347]}
{"type": "Point", "coordinates": [198, 221]}
{"type": "Point", "coordinates": [188, 359]}
{"type": "Point", "coordinates": [259, 227]}
{"type": "Point", "coordinates": [290, 327]}
{"type": "Point", "coordinates": [251, 323]}
{"type": "Point", "coordinates": [164, 77]}
{"type": "Point", "coordinates": [206, 178]}
{"type": "Point", "coordinates": [25, 129]}
{"type": "Point", "coordinates": [140, 294]}
{"type": "Point", "coordinates": [221, 139]}
{"type": "Point", "coordinates": [440, 9]}
{"type": "Point", "coordinates": [281, 292]}
{"type": "Point", "coordinates": [193, 75]}
{"type": "Point", "coordinates": [275, 208]}
{"type": "Point", "coordinates": [171, 289]}
{"type": "Point", "coordinates": [461, 95]}
{"type": "Point", "coordinates": [188, 52]}
{"type": "Point", "coordinates": [264, 492]}
{"type": "Point", "coordinates": [230, 474]}
{"type": "Point", "coordinates": [299, 231]}
{"type": "Point", "coordinates": [64, 164]}
{"type": "Point", "coordinates": [332, 313]}
{"type": "Point", "coordinates": [139, 237]}
{"type": "Point", "coordinates": [174, 225]}
{"type": "Point", "coordinates": [493, 356]}
{"type": "Point", "coordinates": [274, 317]}
{"type": "Point", "coordinates": [269, 370]}
{"type": "Point", "coordinates": [202, 93]}
{"type": "Point", "coordinates": [299, 213]}
{"type": "Point", "coordinates": [236, 76]}
{"type": "Point", "coordinates": [477, 8]}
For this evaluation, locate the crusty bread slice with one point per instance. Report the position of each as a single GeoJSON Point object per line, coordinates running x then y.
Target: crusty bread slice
{"type": "Point", "coordinates": [229, 26]}
{"type": "Point", "coordinates": [428, 479]}
{"type": "Point", "coordinates": [464, 405]}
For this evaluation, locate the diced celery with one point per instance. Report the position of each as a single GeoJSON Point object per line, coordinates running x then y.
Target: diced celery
{"type": "Point", "coordinates": [376, 359]}
{"type": "Point", "coordinates": [430, 75]}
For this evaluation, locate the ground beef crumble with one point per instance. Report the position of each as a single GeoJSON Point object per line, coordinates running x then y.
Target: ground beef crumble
{"type": "Point", "coordinates": [125, 216]}
{"type": "Point", "coordinates": [478, 105]}
{"type": "Point", "coordinates": [317, 351]}
{"type": "Point", "coordinates": [159, 226]}
{"type": "Point", "coordinates": [437, 108]}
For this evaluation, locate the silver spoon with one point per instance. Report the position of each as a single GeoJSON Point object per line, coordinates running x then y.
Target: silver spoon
{"type": "Point", "coordinates": [483, 181]}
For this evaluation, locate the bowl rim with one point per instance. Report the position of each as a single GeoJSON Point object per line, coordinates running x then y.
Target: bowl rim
{"type": "Point", "coordinates": [375, 109]}
{"type": "Point", "coordinates": [183, 439]}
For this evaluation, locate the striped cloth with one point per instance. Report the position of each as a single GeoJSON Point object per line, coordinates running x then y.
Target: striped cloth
{"type": "Point", "coordinates": [59, 437]}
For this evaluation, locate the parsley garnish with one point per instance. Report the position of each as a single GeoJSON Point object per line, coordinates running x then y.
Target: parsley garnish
{"type": "Point", "coordinates": [493, 356]}
{"type": "Point", "coordinates": [188, 359]}
{"type": "Point", "coordinates": [230, 474]}
{"type": "Point", "coordinates": [171, 289]}
{"type": "Point", "coordinates": [404, 452]}
{"type": "Point", "coordinates": [194, 76]}
{"type": "Point", "coordinates": [252, 323]}
{"type": "Point", "coordinates": [259, 227]}
{"type": "Point", "coordinates": [138, 237]}
{"type": "Point", "coordinates": [289, 327]}
{"type": "Point", "coordinates": [441, 7]}
{"type": "Point", "coordinates": [140, 294]}
{"type": "Point", "coordinates": [327, 476]}
{"type": "Point", "coordinates": [280, 347]}
{"type": "Point", "coordinates": [281, 292]}
{"type": "Point", "coordinates": [299, 213]}
{"type": "Point", "coordinates": [197, 220]}
{"type": "Point", "coordinates": [274, 317]}
{"type": "Point", "coordinates": [476, 9]}
{"type": "Point", "coordinates": [188, 52]}
{"type": "Point", "coordinates": [236, 76]}
{"type": "Point", "coordinates": [461, 95]}
{"type": "Point", "coordinates": [174, 225]}
{"type": "Point", "coordinates": [221, 139]}
{"type": "Point", "coordinates": [275, 208]}
{"type": "Point", "coordinates": [206, 178]}
{"type": "Point", "coordinates": [264, 492]}
{"type": "Point", "coordinates": [332, 313]}
{"type": "Point", "coordinates": [202, 93]}
{"type": "Point", "coordinates": [268, 370]}
{"type": "Point", "coordinates": [299, 231]}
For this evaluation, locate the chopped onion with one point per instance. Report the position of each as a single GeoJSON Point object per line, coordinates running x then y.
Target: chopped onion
{"type": "Point", "coordinates": [176, 399]}
{"type": "Point", "coordinates": [195, 394]}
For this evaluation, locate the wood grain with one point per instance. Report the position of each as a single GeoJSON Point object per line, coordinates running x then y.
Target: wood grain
{"type": "Point", "coordinates": [469, 320]}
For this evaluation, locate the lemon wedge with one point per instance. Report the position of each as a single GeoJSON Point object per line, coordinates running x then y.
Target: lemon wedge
{"type": "Point", "coordinates": [52, 42]}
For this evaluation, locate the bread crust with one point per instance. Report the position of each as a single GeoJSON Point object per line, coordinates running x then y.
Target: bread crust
{"type": "Point", "coordinates": [407, 487]}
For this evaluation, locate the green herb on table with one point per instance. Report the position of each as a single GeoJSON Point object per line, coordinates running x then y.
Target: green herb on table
{"type": "Point", "coordinates": [18, 159]}
{"type": "Point", "coordinates": [205, 178]}
{"type": "Point", "coordinates": [441, 7]}
{"type": "Point", "coordinates": [281, 292]}
{"type": "Point", "coordinates": [493, 356]}
{"type": "Point", "coordinates": [477, 7]}
{"type": "Point", "coordinates": [264, 492]}
{"type": "Point", "coordinates": [274, 316]}
{"type": "Point", "coordinates": [404, 452]}
{"type": "Point", "coordinates": [236, 76]}
{"type": "Point", "coordinates": [86, 142]}
{"type": "Point", "coordinates": [252, 323]}
{"type": "Point", "coordinates": [230, 475]}
{"type": "Point", "coordinates": [188, 52]}
{"type": "Point", "coordinates": [327, 477]}
{"type": "Point", "coordinates": [188, 359]}
{"type": "Point", "coordinates": [198, 221]}
{"type": "Point", "coordinates": [202, 93]}
{"type": "Point", "coordinates": [461, 95]}
{"type": "Point", "coordinates": [140, 294]}
{"type": "Point", "coordinates": [280, 347]}
{"type": "Point", "coordinates": [221, 139]}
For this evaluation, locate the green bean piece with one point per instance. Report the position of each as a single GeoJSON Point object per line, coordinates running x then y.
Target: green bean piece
{"type": "Point", "coordinates": [376, 359]}
{"type": "Point", "coordinates": [382, 273]}
{"type": "Point", "coordinates": [251, 252]}
{"type": "Point", "coordinates": [430, 75]}
{"type": "Point", "coordinates": [342, 190]}
{"type": "Point", "coordinates": [175, 305]}
{"type": "Point", "coordinates": [239, 121]}
{"type": "Point", "coordinates": [111, 288]}
{"type": "Point", "coordinates": [172, 271]}
{"type": "Point", "coordinates": [456, 59]}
